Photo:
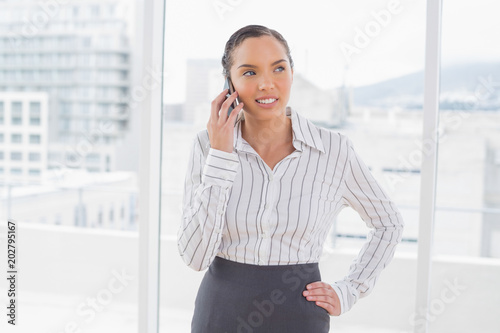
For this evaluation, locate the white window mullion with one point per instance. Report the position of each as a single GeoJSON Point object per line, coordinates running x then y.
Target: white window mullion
{"type": "Point", "coordinates": [148, 96]}
{"type": "Point", "coordinates": [429, 162]}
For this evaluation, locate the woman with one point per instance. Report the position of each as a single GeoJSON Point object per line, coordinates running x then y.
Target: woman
{"type": "Point", "coordinates": [262, 190]}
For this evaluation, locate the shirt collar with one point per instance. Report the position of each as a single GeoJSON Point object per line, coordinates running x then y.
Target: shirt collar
{"type": "Point", "coordinates": [304, 132]}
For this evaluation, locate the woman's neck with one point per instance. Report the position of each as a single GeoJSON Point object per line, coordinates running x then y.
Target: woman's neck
{"type": "Point", "coordinates": [264, 136]}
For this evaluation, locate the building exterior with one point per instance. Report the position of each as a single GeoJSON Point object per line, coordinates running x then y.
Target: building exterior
{"type": "Point", "coordinates": [79, 53]}
{"type": "Point", "coordinates": [23, 136]}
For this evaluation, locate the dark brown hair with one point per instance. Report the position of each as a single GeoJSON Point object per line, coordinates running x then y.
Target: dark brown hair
{"type": "Point", "coordinates": [246, 32]}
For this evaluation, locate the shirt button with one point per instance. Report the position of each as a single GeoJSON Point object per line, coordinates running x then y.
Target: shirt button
{"type": "Point", "coordinates": [271, 177]}
{"type": "Point", "coordinates": [220, 212]}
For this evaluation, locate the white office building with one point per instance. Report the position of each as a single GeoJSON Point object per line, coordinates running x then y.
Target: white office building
{"type": "Point", "coordinates": [23, 136]}
{"type": "Point", "coordinates": [79, 53]}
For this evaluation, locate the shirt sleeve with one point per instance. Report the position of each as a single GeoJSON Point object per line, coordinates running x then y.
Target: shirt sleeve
{"type": "Point", "coordinates": [364, 194]}
{"type": "Point", "coordinates": [208, 181]}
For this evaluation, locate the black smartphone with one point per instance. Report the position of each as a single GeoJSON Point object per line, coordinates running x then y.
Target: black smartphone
{"type": "Point", "coordinates": [229, 85]}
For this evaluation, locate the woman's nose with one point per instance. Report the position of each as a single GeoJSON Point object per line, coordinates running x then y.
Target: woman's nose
{"type": "Point", "coordinates": [266, 82]}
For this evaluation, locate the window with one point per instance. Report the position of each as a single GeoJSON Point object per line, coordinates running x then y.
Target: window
{"type": "Point", "coordinates": [94, 11]}
{"type": "Point", "coordinates": [34, 157]}
{"type": "Point", "coordinates": [16, 171]}
{"type": "Point", "coordinates": [93, 158]}
{"type": "Point", "coordinates": [64, 124]}
{"type": "Point", "coordinates": [34, 172]}
{"type": "Point", "coordinates": [1, 113]}
{"type": "Point", "coordinates": [1, 155]}
{"type": "Point", "coordinates": [111, 215]}
{"type": "Point", "coordinates": [16, 156]}
{"type": "Point", "coordinates": [34, 138]}
{"type": "Point", "coordinates": [17, 113]}
{"type": "Point", "coordinates": [85, 108]}
{"type": "Point", "coordinates": [35, 113]}
{"type": "Point", "coordinates": [16, 138]}
{"type": "Point", "coordinates": [65, 108]}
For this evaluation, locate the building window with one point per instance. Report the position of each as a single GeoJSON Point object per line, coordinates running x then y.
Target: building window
{"type": "Point", "coordinates": [103, 109]}
{"type": "Point", "coordinates": [111, 215]}
{"type": "Point", "coordinates": [86, 42]}
{"type": "Point", "coordinates": [35, 111]}
{"type": "Point", "coordinates": [84, 107]}
{"type": "Point", "coordinates": [16, 156]}
{"type": "Point", "coordinates": [16, 171]}
{"type": "Point", "coordinates": [94, 11]}
{"type": "Point", "coordinates": [34, 157]}
{"type": "Point", "coordinates": [34, 172]}
{"type": "Point", "coordinates": [17, 113]}
{"type": "Point", "coordinates": [93, 158]}
{"type": "Point", "coordinates": [99, 216]}
{"type": "Point", "coordinates": [65, 108]}
{"type": "Point", "coordinates": [16, 138]}
{"type": "Point", "coordinates": [64, 125]}
{"type": "Point", "coordinates": [1, 138]}
{"type": "Point", "coordinates": [1, 155]}
{"type": "Point", "coordinates": [34, 138]}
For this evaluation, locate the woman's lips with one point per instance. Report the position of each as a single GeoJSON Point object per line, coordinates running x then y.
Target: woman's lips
{"type": "Point", "coordinates": [267, 105]}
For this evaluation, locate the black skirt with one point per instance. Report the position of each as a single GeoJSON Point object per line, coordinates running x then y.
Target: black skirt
{"type": "Point", "coordinates": [242, 298]}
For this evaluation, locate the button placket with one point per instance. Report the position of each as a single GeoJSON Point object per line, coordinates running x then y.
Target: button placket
{"type": "Point", "coordinates": [266, 237]}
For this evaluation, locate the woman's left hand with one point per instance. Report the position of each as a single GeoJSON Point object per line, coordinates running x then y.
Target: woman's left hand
{"type": "Point", "coordinates": [324, 295]}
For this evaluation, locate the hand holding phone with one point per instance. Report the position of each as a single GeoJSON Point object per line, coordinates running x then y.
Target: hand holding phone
{"type": "Point", "coordinates": [221, 127]}
{"type": "Point", "coordinates": [229, 85]}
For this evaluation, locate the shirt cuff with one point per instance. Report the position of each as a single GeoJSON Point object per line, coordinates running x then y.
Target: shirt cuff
{"type": "Point", "coordinates": [347, 294]}
{"type": "Point", "coordinates": [220, 168]}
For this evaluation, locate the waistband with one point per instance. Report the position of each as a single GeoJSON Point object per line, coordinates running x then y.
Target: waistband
{"type": "Point", "coordinates": [236, 270]}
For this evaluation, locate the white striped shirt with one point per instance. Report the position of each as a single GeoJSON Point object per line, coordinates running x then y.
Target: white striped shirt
{"type": "Point", "coordinates": [236, 207]}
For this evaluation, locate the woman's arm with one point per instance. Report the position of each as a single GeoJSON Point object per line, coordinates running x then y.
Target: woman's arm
{"type": "Point", "coordinates": [209, 178]}
{"type": "Point", "coordinates": [381, 215]}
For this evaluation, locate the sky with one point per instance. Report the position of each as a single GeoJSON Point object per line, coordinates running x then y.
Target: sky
{"type": "Point", "coordinates": [355, 42]}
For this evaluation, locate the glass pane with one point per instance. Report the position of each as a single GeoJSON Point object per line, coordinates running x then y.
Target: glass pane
{"type": "Point", "coordinates": [68, 170]}
{"type": "Point", "coordinates": [467, 232]}
{"type": "Point", "coordinates": [358, 71]}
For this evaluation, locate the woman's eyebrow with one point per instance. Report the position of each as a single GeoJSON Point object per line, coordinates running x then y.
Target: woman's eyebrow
{"type": "Point", "coordinates": [253, 66]}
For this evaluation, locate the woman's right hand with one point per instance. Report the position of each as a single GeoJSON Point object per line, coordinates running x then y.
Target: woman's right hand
{"type": "Point", "coordinates": [221, 127]}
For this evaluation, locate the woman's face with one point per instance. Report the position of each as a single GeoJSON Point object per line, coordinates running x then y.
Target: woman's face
{"type": "Point", "coordinates": [262, 76]}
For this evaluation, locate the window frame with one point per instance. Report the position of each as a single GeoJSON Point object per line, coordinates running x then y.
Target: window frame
{"type": "Point", "coordinates": [152, 32]}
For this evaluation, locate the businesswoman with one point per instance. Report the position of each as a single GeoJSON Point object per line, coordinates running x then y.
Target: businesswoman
{"type": "Point", "coordinates": [262, 190]}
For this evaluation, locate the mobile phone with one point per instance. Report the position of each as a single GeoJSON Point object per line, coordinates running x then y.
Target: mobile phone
{"type": "Point", "coordinates": [229, 85]}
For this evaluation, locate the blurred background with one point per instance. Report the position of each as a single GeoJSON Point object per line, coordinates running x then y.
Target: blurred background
{"type": "Point", "coordinates": [71, 83]}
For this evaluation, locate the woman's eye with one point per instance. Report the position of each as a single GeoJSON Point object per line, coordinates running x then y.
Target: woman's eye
{"type": "Point", "coordinates": [282, 68]}
{"type": "Point", "coordinates": [248, 72]}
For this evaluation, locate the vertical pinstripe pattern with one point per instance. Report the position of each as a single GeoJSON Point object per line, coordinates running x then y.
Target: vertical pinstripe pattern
{"type": "Point", "coordinates": [237, 208]}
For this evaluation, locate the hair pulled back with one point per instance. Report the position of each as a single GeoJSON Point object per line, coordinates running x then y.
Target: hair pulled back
{"type": "Point", "coordinates": [247, 32]}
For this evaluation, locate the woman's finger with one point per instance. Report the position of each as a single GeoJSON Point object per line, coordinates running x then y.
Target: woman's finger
{"type": "Point", "coordinates": [328, 307]}
{"type": "Point", "coordinates": [225, 107]}
{"type": "Point", "coordinates": [216, 104]}
{"type": "Point", "coordinates": [234, 113]}
{"type": "Point", "coordinates": [323, 295]}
